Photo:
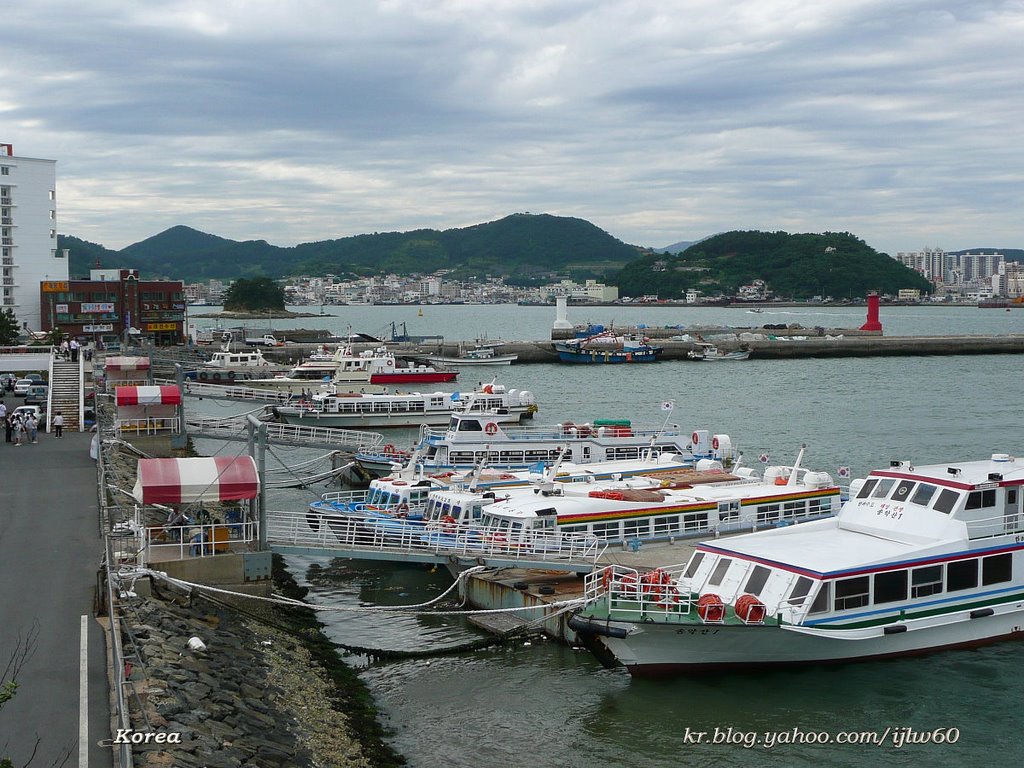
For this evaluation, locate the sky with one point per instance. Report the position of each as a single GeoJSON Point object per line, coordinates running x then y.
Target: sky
{"type": "Point", "coordinates": [659, 121]}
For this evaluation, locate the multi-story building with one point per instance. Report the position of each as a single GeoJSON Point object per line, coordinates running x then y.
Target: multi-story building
{"type": "Point", "coordinates": [28, 234]}
{"type": "Point", "coordinates": [112, 302]}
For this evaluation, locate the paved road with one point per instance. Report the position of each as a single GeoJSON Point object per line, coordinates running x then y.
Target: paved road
{"type": "Point", "coordinates": [49, 554]}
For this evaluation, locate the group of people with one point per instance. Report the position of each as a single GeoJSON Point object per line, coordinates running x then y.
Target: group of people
{"type": "Point", "coordinates": [19, 428]}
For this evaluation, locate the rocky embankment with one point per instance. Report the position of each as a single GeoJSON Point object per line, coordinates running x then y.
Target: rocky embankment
{"type": "Point", "coordinates": [267, 690]}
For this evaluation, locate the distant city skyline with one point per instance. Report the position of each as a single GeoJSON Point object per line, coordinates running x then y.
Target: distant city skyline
{"type": "Point", "coordinates": [305, 120]}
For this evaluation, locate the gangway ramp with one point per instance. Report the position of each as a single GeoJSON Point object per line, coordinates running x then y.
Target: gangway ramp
{"type": "Point", "coordinates": [298, 435]}
{"type": "Point", "coordinates": [360, 537]}
{"type": "Point", "coordinates": [229, 392]}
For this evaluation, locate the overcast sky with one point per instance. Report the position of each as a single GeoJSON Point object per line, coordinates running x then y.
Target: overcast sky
{"type": "Point", "coordinates": [659, 121]}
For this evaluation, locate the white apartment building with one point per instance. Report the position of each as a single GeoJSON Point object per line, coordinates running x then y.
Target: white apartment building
{"type": "Point", "coordinates": [28, 233]}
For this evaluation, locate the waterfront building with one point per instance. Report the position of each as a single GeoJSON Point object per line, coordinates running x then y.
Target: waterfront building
{"type": "Point", "coordinates": [112, 302]}
{"type": "Point", "coordinates": [592, 291]}
{"type": "Point", "coordinates": [28, 234]}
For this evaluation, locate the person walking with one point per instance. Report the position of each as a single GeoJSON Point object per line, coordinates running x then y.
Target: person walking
{"type": "Point", "coordinates": [32, 426]}
{"type": "Point", "coordinates": [9, 428]}
{"type": "Point", "coordinates": [74, 350]}
{"type": "Point", "coordinates": [58, 424]}
{"type": "Point", "coordinates": [18, 430]}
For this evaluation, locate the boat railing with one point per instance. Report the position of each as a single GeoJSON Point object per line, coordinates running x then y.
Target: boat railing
{"type": "Point", "coordinates": [569, 432]}
{"type": "Point", "coordinates": [997, 525]}
{"type": "Point", "coordinates": [393, 534]}
{"type": "Point", "coordinates": [629, 592]}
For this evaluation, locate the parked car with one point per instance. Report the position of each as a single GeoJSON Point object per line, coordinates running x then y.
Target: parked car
{"type": "Point", "coordinates": [22, 386]}
{"type": "Point", "coordinates": [36, 377]}
{"type": "Point", "coordinates": [37, 395]}
{"type": "Point", "coordinates": [36, 411]}
{"type": "Point", "coordinates": [7, 382]}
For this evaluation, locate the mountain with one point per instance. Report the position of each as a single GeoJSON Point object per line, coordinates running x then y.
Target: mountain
{"type": "Point", "coordinates": [520, 244]}
{"type": "Point", "coordinates": [83, 256]}
{"type": "Point", "coordinates": [679, 247]}
{"type": "Point", "coordinates": [796, 266]}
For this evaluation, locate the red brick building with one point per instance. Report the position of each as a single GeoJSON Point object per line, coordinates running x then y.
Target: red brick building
{"type": "Point", "coordinates": [111, 302]}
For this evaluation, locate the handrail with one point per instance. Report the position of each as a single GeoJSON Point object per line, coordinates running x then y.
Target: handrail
{"type": "Point", "coordinates": [388, 534]}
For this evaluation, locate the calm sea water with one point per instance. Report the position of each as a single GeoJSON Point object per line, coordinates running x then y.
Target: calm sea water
{"type": "Point", "coordinates": [546, 705]}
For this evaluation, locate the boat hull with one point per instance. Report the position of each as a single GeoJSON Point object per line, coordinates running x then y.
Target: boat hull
{"type": "Point", "coordinates": [606, 356]}
{"type": "Point", "coordinates": [433, 377]}
{"type": "Point", "coordinates": [658, 649]}
{"type": "Point", "coordinates": [462, 362]}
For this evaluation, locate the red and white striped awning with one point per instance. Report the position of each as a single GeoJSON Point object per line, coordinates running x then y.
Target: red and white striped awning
{"type": "Point", "coordinates": [162, 395]}
{"type": "Point", "coordinates": [183, 481]}
{"type": "Point", "coordinates": [126, 364]}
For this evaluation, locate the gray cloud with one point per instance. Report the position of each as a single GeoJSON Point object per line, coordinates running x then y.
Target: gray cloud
{"type": "Point", "coordinates": [304, 120]}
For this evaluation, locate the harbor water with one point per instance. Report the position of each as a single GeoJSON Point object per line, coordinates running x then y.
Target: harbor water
{"type": "Point", "coordinates": [543, 704]}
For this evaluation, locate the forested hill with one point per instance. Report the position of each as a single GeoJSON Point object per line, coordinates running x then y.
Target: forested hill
{"type": "Point", "coordinates": [799, 266]}
{"type": "Point", "coordinates": [517, 245]}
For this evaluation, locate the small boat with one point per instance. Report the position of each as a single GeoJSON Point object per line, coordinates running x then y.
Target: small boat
{"type": "Point", "coordinates": [755, 311]}
{"type": "Point", "coordinates": [705, 352]}
{"type": "Point", "coordinates": [919, 559]}
{"type": "Point", "coordinates": [226, 367]}
{"type": "Point", "coordinates": [473, 356]}
{"type": "Point", "coordinates": [468, 439]}
{"type": "Point", "coordinates": [607, 347]}
{"type": "Point", "coordinates": [493, 403]}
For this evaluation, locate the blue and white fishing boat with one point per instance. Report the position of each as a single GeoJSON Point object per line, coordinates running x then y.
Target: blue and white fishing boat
{"type": "Point", "coordinates": [607, 347]}
{"type": "Point", "coordinates": [920, 559]}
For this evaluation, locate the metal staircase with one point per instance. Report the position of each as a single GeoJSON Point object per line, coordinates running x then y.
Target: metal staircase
{"type": "Point", "coordinates": [67, 393]}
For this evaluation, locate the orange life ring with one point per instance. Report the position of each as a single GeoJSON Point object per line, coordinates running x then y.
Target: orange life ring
{"type": "Point", "coordinates": [449, 524]}
{"type": "Point", "coordinates": [606, 578]}
{"type": "Point", "coordinates": [399, 482]}
{"type": "Point", "coordinates": [714, 442]}
{"type": "Point", "coordinates": [389, 449]}
{"type": "Point", "coordinates": [491, 428]}
{"type": "Point", "coordinates": [694, 438]}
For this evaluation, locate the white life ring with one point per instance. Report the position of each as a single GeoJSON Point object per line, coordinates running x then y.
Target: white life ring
{"type": "Point", "coordinates": [491, 428]}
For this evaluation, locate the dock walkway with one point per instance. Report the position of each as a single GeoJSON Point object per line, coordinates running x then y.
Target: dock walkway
{"type": "Point", "coordinates": [50, 550]}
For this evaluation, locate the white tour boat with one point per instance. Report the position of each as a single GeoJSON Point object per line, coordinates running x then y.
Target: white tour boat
{"type": "Point", "coordinates": [225, 367]}
{"type": "Point", "coordinates": [493, 403]}
{"type": "Point", "coordinates": [920, 559]}
{"type": "Point", "coordinates": [473, 356]}
{"type": "Point", "coordinates": [470, 439]}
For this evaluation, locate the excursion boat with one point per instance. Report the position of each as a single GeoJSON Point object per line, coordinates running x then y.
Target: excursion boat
{"type": "Point", "coordinates": [691, 502]}
{"type": "Point", "coordinates": [343, 370]}
{"type": "Point", "coordinates": [705, 352]}
{"type": "Point", "coordinates": [470, 438]}
{"type": "Point", "coordinates": [493, 403]}
{"type": "Point", "coordinates": [920, 559]}
{"type": "Point", "coordinates": [607, 347]}
{"type": "Point", "coordinates": [407, 490]}
{"type": "Point", "coordinates": [226, 367]}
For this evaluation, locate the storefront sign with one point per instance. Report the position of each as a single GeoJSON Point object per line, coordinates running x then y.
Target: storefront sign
{"type": "Point", "coordinates": [54, 286]}
{"type": "Point", "coordinates": [61, 308]}
{"type": "Point", "coordinates": [97, 307]}
{"type": "Point", "coordinates": [101, 328]}
{"type": "Point", "coordinates": [161, 326]}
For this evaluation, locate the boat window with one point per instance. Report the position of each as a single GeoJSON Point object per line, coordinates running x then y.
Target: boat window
{"type": "Point", "coordinates": [695, 561]}
{"type": "Point", "coordinates": [695, 522]}
{"type": "Point", "coordinates": [884, 486]}
{"type": "Point", "coordinates": [719, 572]}
{"type": "Point", "coordinates": [890, 587]}
{"type": "Point", "coordinates": [946, 501]}
{"type": "Point", "coordinates": [926, 581]}
{"type": "Point", "coordinates": [800, 591]}
{"type": "Point", "coordinates": [963, 574]}
{"type": "Point", "coordinates": [903, 489]}
{"type": "Point", "coordinates": [865, 490]}
{"type": "Point", "coordinates": [728, 510]}
{"type": "Point", "coordinates": [852, 593]}
{"type": "Point", "coordinates": [923, 494]}
{"type": "Point", "coordinates": [470, 425]}
{"type": "Point", "coordinates": [996, 569]}
{"type": "Point", "coordinates": [821, 602]}
{"type": "Point", "coordinates": [756, 581]}
{"type": "Point", "coordinates": [636, 527]}
{"type": "Point", "coordinates": [981, 499]}
{"type": "Point", "coordinates": [456, 511]}
{"type": "Point", "coordinates": [666, 524]}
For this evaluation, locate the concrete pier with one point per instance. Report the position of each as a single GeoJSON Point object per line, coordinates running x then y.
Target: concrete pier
{"type": "Point", "coordinates": [50, 551]}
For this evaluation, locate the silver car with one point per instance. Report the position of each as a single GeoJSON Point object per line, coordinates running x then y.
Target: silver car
{"type": "Point", "coordinates": [22, 387]}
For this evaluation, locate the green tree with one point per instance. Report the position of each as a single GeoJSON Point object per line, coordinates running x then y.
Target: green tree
{"type": "Point", "coordinates": [254, 295]}
{"type": "Point", "coordinates": [9, 328]}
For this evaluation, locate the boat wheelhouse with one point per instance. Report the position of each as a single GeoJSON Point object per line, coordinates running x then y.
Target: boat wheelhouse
{"type": "Point", "coordinates": [920, 558]}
